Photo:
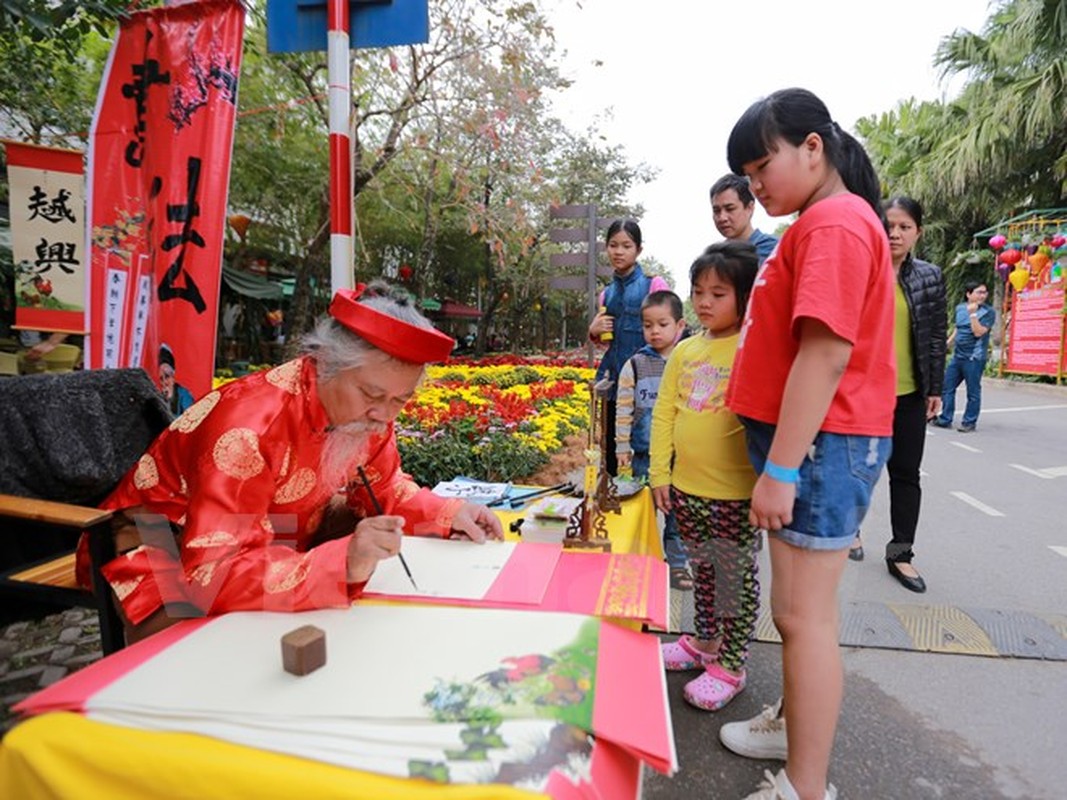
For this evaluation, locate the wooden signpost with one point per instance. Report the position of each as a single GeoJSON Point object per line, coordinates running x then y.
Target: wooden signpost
{"type": "Point", "coordinates": [585, 229]}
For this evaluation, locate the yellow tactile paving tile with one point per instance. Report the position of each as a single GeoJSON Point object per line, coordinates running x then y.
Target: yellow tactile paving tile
{"type": "Point", "coordinates": [765, 630]}
{"type": "Point", "coordinates": [943, 629]}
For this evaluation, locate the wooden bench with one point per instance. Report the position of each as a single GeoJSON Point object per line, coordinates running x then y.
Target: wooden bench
{"type": "Point", "coordinates": [52, 580]}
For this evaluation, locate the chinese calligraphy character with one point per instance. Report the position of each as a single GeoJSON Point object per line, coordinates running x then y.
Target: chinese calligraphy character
{"type": "Point", "coordinates": [54, 210]}
{"type": "Point", "coordinates": [144, 75]}
{"type": "Point", "coordinates": [184, 213]}
{"type": "Point", "coordinates": [55, 254]}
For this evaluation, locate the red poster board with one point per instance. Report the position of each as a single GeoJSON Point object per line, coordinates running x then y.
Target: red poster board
{"type": "Point", "coordinates": [1035, 334]}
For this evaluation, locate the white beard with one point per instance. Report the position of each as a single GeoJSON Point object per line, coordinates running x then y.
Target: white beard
{"type": "Point", "coordinates": [345, 449]}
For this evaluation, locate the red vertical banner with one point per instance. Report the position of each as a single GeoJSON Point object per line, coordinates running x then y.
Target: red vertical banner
{"type": "Point", "coordinates": [47, 206]}
{"type": "Point", "coordinates": [159, 167]}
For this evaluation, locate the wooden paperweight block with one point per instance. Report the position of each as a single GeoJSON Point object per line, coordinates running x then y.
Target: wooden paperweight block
{"type": "Point", "coordinates": [304, 649]}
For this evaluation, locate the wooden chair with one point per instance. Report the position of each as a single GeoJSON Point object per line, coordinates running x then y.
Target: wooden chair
{"type": "Point", "coordinates": [67, 439]}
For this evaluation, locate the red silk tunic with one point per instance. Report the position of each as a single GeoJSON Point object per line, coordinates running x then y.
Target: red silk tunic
{"type": "Point", "coordinates": [238, 473]}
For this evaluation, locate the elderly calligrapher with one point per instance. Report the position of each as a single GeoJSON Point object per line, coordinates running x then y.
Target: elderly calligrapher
{"type": "Point", "coordinates": [226, 509]}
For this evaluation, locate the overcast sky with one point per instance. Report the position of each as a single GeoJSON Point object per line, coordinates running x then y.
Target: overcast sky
{"type": "Point", "coordinates": [676, 74]}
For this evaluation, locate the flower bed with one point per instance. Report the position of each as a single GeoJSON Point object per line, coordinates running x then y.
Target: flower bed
{"type": "Point", "coordinates": [499, 422]}
{"type": "Point", "coordinates": [498, 418]}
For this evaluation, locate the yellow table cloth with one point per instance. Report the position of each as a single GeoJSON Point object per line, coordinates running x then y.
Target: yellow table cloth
{"type": "Point", "coordinates": [66, 755]}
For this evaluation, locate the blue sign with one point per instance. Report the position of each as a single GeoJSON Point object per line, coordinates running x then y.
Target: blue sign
{"type": "Point", "coordinates": [296, 26]}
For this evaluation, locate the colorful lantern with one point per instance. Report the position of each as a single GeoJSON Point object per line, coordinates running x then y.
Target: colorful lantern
{"type": "Point", "coordinates": [1038, 261]}
{"type": "Point", "coordinates": [1019, 277]}
{"type": "Point", "coordinates": [998, 241]}
{"type": "Point", "coordinates": [1058, 241]}
{"type": "Point", "coordinates": [1003, 270]}
{"type": "Point", "coordinates": [1012, 256]}
{"type": "Point", "coordinates": [240, 223]}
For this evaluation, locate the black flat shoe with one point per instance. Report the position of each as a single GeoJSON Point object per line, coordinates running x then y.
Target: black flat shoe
{"type": "Point", "coordinates": [855, 553]}
{"type": "Point", "coordinates": [916, 584]}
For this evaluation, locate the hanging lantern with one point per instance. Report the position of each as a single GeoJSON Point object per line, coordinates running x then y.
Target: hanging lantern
{"type": "Point", "coordinates": [998, 241]}
{"type": "Point", "coordinates": [1019, 277]}
{"type": "Point", "coordinates": [405, 272]}
{"type": "Point", "coordinates": [1003, 270]}
{"type": "Point", "coordinates": [1012, 256]}
{"type": "Point", "coordinates": [1038, 261]}
{"type": "Point", "coordinates": [239, 222]}
{"type": "Point", "coordinates": [1058, 241]}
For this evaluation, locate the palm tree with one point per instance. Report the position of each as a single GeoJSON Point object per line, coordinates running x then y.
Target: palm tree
{"type": "Point", "coordinates": [1015, 127]}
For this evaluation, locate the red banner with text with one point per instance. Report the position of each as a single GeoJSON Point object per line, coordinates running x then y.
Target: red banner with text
{"type": "Point", "coordinates": [159, 167]}
{"type": "Point", "coordinates": [47, 208]}
{"type": "Point", "coordinates": [1036, 331]}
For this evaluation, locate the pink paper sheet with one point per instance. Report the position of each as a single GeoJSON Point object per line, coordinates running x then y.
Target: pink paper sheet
{"type": "Point", "coordinates": [640, 723]}
{"type": "Point", "coordinates": [613, 585]}
{"type": "Point", "coordinates": [521, 583]}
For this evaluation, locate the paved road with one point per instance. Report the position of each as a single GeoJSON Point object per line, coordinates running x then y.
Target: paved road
{"type": "Point", "coordinates": [935, 725]}
{"type": "Point", "coordinates": [915, 724]}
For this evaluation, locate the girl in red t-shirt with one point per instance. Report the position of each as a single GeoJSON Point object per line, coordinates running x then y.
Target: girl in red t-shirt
{"type": "Point", "coordinates": [814, 383]}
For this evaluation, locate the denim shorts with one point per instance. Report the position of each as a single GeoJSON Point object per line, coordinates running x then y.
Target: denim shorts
{"type": "Point", "coordinates": [834, 491]}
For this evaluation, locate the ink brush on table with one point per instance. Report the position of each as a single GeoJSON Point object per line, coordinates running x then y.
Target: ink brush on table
{"type": "Point", "coordinates": [379, 512]}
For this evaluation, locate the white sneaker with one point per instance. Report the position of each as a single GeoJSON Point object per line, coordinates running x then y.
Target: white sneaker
{"type": "Point", "coordinates": [778, 787]}
{"type": "Point", "coordinates": [760, 737]}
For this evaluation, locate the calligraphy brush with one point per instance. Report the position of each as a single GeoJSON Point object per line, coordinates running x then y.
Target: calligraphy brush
{"type": "Point", "coordinates": [518, 500]}
{"type": "Point", "coordinates": [379, 512]}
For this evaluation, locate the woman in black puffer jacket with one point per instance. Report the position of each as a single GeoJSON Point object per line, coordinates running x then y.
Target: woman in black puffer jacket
{"type": "Point", "coordinates": [920, 347]}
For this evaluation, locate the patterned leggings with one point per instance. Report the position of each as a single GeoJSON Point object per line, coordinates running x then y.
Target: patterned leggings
{"type": "Point", "coordinates": [722, 553]}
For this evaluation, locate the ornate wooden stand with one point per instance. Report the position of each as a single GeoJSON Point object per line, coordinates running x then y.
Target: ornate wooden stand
{"type": "Point", "coordinates": [587, 529]}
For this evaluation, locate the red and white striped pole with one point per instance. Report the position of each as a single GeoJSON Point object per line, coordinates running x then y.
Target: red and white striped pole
{"type": "Point", "coordinates": [339, 78]}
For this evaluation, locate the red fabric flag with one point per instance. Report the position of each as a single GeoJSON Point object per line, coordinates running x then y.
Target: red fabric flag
{"type": "Point", "coordinates": [159, 167]}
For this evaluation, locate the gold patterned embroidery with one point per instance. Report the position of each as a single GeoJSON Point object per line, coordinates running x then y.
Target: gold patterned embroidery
{"type": "Point", "coordinates": [297, 487]}
{"type": "Point", "coordinates": [204, 573]}
{"type": "Point", "coordinates": [213, 539]}
{"type": "Point", "coordinates": [183, 487]}
{"type": "Point", "coordinates": [237, 454]}
{"type": "Point", "coordinates": [283, 576]}
{"type": "Point", "coordinates": [286, 377]}
{"type": "Point", "coordinates": [267, 525]}
{"type": "Point", "coordinates": [123, 589]}
{"type": "Point", "coordinates": [373, 475]}
{"type": "Point", "coordinates": [285, 462]}
{"type": "Point", "coordinates": [146, 475]}
{"type": "Point", "coordinates": [316, 518]}
{"type": "Point", "coordinates": [624, 592]}
{"type": "Point", "coordinates": [405, 489]}
{"type": "Point", "coordinates": [196, 413]}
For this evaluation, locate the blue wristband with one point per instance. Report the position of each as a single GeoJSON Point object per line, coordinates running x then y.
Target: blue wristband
{"type": "Point", "coordinates": [782, 474]}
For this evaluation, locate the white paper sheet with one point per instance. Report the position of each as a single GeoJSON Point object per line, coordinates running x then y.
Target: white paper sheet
{"type": "Point", "coordinates": [442, 568]}
{"type": "Point", "coordinates": [380, 660]}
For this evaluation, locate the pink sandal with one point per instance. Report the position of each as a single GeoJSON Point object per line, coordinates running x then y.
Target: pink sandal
{"type": "Point", "coordinates": [679, 656]}
{"type": "Point", "coordinates": [714, 689]}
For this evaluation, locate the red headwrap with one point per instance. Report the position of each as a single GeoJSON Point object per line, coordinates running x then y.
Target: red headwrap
{"type": "Point", "coordinates": [397, 338]}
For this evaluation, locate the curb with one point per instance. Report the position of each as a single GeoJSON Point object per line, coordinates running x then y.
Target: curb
{"type": "Point", "coordinates": [1044, 388]}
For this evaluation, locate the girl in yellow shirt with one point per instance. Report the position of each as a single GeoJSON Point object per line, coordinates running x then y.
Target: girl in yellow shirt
{"type": "Point", "coordinates": [700, 470]}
